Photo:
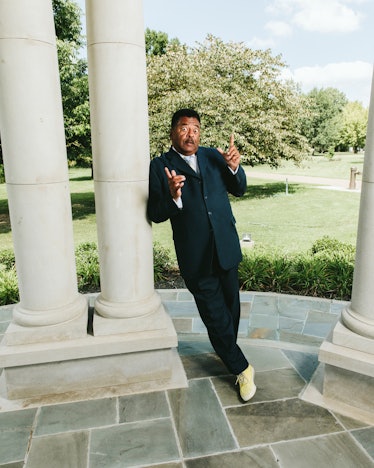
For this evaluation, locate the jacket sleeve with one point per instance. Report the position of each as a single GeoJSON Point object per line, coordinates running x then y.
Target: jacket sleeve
{"type": "Point", "coordinates": [160, 205]}
{"type": "Point", "coordinates": [236, 183]}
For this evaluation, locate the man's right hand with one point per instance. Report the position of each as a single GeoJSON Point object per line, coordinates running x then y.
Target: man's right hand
{"type": "Point", "coordinates": [175, 183]}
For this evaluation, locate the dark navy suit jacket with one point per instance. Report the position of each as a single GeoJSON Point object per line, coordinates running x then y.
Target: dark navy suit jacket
{"type": "Point", "coordinates": [206, 222]}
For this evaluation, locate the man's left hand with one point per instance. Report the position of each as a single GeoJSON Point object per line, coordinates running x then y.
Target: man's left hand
{"type": "Point", "coordinates": [231, 156]}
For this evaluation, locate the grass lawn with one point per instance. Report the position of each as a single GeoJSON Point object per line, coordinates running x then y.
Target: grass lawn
{"type": "Point", "coordinates": [320, 166]}
{"type": "Point", "coordinates": [292, 222]}
{"type": "Point", "coordinates": [275, 220]}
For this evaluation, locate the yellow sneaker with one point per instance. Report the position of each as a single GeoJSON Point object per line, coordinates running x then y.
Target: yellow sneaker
{"type": "Point", "coordinates": [246, 382]}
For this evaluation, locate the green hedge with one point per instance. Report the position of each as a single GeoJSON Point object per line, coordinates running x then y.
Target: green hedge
{"type": "Point", "coordinates": [88, 271]}
{"type": "Point", "coordinates": [8, 278]}
{"type": "Point", "coordinates": [325, 271]}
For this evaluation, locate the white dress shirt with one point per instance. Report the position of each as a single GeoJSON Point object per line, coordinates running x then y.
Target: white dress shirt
{"type": "Point", "coordinates": [192, 162]}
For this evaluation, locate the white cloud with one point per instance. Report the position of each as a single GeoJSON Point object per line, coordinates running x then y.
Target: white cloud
{"type": "Point", "coordinates": [258, 43]}
{"type": "Point", "coordinates": [352, 78]}
{"type": "Point", "coordinates": [327, 16]}
{"type": "Point", "coordinates": [319, 15]}
{"type": "Point", "coordinates": [279, 28]}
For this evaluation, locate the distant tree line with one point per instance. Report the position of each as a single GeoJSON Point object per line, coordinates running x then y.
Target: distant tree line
{"type": "Point", "coordinates": [234, 88]}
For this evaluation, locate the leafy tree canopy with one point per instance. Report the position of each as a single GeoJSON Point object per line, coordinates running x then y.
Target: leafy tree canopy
{"type": "Point", "coordinates": [354, 126]}
{"type": "Point", "coordinates": [74, 81]}
{"type": "Point", "coordinates": [157, 42]}
{"type": "Point", "coordinates": [67, 21]}
{"type": "Point", "coordinates": [322, 123]}
{"type": "Point", "coordinates": [236, 90]}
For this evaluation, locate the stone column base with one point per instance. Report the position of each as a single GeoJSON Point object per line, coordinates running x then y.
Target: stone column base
{"type": "Point", "coordinates": [90, 367]}
{"type": "Point", "coordinates": [349, 373]}
{"type": "Point", "coordinates": [17, 335]}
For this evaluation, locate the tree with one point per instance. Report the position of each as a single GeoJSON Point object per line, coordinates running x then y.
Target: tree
{"type": "Point", "coordinates": [67, 21]}
{"type": "Point", "coordinates": [157, 42]}
{"type": "Point", "coordinates": [74, 81]}
{"type": "Point", "coordinates": [235, 89]}
{"type": "Point", "coordinates": [354, 126]}
{"type": "Point", "coordinates": [321, 125]}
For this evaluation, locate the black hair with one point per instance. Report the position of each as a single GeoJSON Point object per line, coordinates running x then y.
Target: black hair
{"type": "Point", "coordinates": [183, 113]}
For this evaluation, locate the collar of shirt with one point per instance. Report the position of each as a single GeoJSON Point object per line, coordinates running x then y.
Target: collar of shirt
{"type": "Point", "coordinates": [183, 155]}
{"type": "Point", "coordinates": [190, 160]}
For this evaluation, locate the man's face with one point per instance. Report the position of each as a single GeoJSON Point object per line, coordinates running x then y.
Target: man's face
{"type": "Point", "coordinates": [185, 136]}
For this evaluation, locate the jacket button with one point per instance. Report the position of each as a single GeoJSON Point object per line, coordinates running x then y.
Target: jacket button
{"type": "Point", "coordinates": [209, 213]}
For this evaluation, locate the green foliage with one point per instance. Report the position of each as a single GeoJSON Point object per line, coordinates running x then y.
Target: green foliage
{"type": "Point", "coordinates": [67, 21]}
{"type": "Point", "coordinates": [328, 244]}
{"type": "Point", "coordinates": [162, 262]}
{"type": "Point", "coordinates": [322, 122]}
{"type": "Point", "coordinates": [2, 173]}
{"type": "Point", "coordinates": [235, 89]}
{"type": "Point", "coordinates": [157, 42]}
{"type": "Point", "coordinates": [326, 271]}
{"type": "Point", "coordinates": [8, 286]}
{"type": "Point", "coordinates": [8, 278]}
{"type": "Point", "coordinates": [74, 82]}
{"type": "Point", "coordinates": [7, 260]}
{"type": "Point", "coordinates": [88, 270]}
{"type": "Point", "coordinates": [354, 126]}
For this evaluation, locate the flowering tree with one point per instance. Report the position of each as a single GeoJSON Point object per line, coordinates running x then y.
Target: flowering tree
{"type": "Point", "coordinates": [236, 90]}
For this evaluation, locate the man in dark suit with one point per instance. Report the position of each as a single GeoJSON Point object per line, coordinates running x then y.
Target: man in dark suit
{"type": "Point", "coordinates": [189, 185]}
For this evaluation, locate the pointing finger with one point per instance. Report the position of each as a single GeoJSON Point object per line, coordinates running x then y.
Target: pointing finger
{"type": "Point", "coordinates": [232, 140]}
{"type": "Point", "coordinates": [167, 172]}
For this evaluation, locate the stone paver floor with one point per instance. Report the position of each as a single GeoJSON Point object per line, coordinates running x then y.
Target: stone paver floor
{"type": "Point", "coordinates": [206, 424]}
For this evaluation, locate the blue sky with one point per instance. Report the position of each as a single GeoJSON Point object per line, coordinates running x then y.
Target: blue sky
{"type": "Point", "coordinates": [324, 42]}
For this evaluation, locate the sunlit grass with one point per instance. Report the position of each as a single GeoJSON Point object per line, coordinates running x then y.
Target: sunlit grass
{"type": "Point", "coordinates": [319, 166]}
{"type": "Point", "coordinates": [292, 222]}
{"type": "Point", "coordinates": [276, 220]}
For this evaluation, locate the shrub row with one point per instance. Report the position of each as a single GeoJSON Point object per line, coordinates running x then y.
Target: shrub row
{"type": "Point", "coordinates": [88, 271]}
{"type": "Point", "coordinates": [325, 271]}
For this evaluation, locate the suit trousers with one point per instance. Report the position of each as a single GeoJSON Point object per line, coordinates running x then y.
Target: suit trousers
{"type": "Point", "coordinates": [217, 299]}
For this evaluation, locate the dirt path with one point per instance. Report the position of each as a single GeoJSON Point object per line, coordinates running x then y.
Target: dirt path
{"type": "Point", "coordinates": [337, 184]}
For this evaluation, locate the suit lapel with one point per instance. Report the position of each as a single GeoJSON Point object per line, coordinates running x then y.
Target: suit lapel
{"type": "Point", "coordinates": [178, 163]}
{"type": "Point", "coordinates": [201, 161]}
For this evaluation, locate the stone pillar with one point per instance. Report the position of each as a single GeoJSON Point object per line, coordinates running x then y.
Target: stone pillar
{"type": "Point", "coordinates": [359, 316]}
{"type": "Point", "coordinates": [348, 354]}
{"type": "Point", "coordinates": [33, 142]}
{"type": "Point", "coordinates": [119, 120]}
{"type": "Point", "coordinates": [130, 354]}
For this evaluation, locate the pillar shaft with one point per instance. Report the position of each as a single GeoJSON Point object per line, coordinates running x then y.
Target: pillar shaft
{"type": "Point", "coordinates": [119, 121]}
{"type": "Point", "coordinates": [33, 141]}
{"type": "Point", "coordinates": [359, 316]}
{"type": "Point", "coordinates": [125, 353]}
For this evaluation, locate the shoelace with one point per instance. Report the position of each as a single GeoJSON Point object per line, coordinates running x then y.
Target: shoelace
{"type": "Point", "coordinates": [241, 379]}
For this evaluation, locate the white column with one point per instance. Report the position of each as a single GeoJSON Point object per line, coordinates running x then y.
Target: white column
{"type": "Point", "coordinates": [348, 353]}
{"type": "Point", "coordinates": [119, 120]}
{"type": "Point", "coordinates": [32, 133]}
{"type": "Point", "coordinates": [359, 316]}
